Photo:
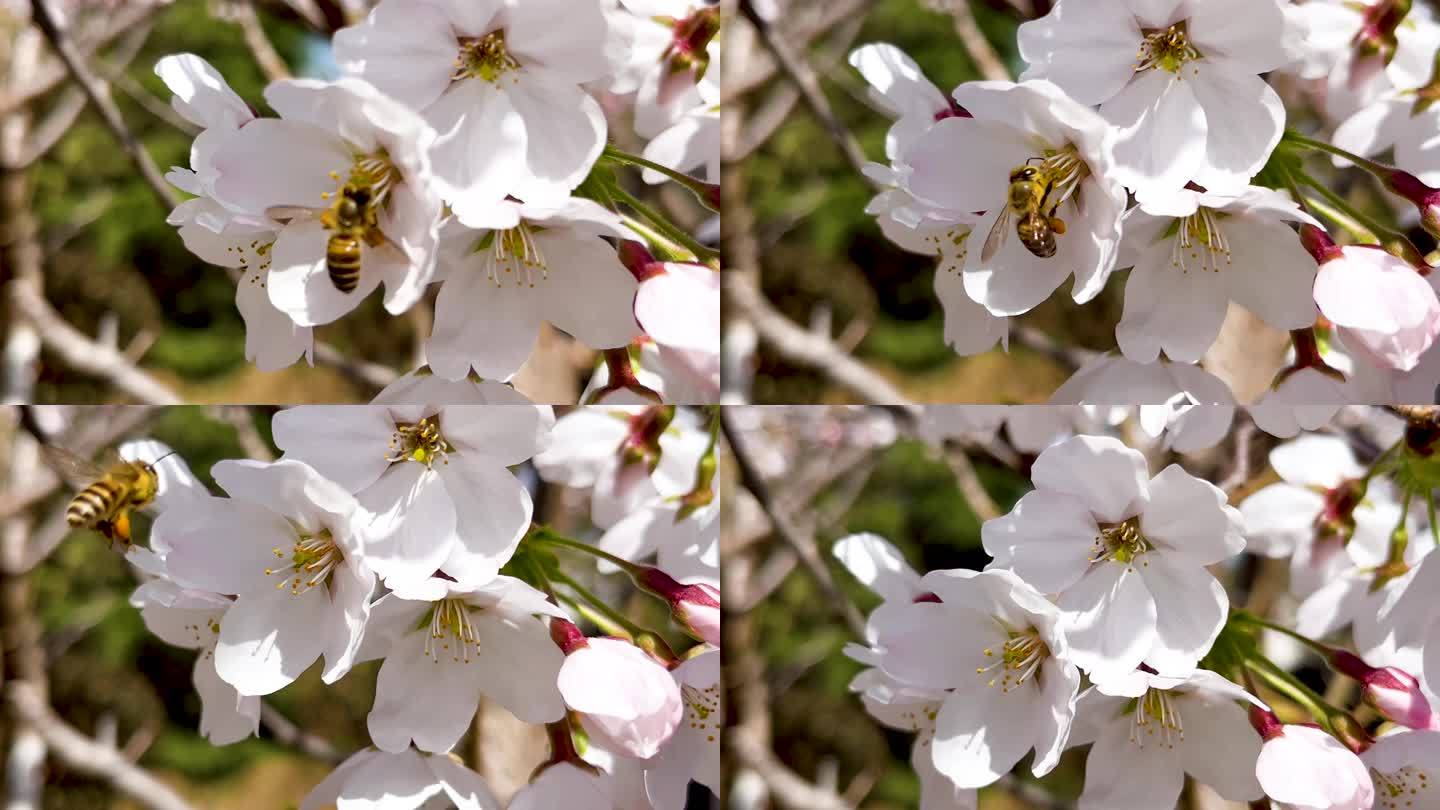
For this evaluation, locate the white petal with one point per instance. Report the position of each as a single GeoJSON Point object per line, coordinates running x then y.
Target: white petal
{"type": "Point", "coordinates": [327, 437]}
{"type": "Point", "coordinates": [493, 512]}
{"type": "Point", "coordinates": [1189, 518]}
{"type": "Point", "coordinates": [976, 738]}
{"type": "Point", "coordinates": [271, 162]}
{"type": "Point", "coordinates": [1047, 539]}
{"type": "Point", "coordinates": [1110, 620]}
{"type": "Point", "coordinates": [435, 721]}
{"type": "Point", "coordinates": [589, 293]}
{"type": "Point", "coordinates": [270, 637]}
{"type": "Point", "coordinates": [1103, 473]}
{"type": "Point", "coordinates": [1190, 611]}
{"type": "Point", "coordinates": [1164, 130]}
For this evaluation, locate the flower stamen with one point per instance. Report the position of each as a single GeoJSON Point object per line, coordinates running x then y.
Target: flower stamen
{"type": "Point", "coordinates": [484, 58]}
{"type": "Point", "coordinates": [1200, 233]}
{"type": "Point", "coordinates": [1169, 49]}
{"type": "Point", "coordinates": [311, 561]}
{"type": "Point", "coordinates": [1020, 658]}
{"type": "Point", "coordinates": [421, 441]}
{"type": "Point", "coordinates": [450, 624]}
{"type": "Point", "coordinates": [1121, 542]}
{"type": "Point", "coordinates": [1154, 710]}
{"type": "Point", "coordinates": [516, 251]}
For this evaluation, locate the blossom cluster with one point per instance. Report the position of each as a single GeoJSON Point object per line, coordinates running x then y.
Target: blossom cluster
{"type": "Point", "coordinates": [1145, 135]}
{"type": "Point", "coordinates": [1100, 621]}
{"type": "Point", "coordinates": [466, 145]}
{"type": "Point", "coordinates": [403, 534]}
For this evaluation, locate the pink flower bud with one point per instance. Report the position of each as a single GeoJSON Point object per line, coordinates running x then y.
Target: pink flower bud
{"type": "Point", "coordinates": [695, 607]}
{"type": "Point", "coordinates": [1422, 196]}
{"type": "Point", "coordinates": [1304, 766]}
{"type": "Point", "coordinates": [628, 702]}
{"type": "Point", "coordinates": [1384, 309]}
{"type": "Point", "coordinates": [1395, 693]}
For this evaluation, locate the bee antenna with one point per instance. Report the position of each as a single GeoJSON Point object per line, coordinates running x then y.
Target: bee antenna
{"type": "Point", "coordinates": [162, 458]}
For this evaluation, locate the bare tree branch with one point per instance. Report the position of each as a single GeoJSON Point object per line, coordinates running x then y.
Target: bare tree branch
{"type": "Point", "coordinates": [89, 757]}
{"type": "Point", "coordinates": [797, 68]}
{"type": "Point", "coordinates": [361, 372]}
{"type": "Point", "coordinates": [287, 733]}
{"type": "Point", "coordinates": [40, 82]}
{"type": "Point", "coordinates": [981, 52]}
{"type": "Point", "coordinates": [802, 542]}
{"type": "Point", "coordinates": [99, 96]}
{"type": "Point", "coordinates": [271, 63]}
{"type": "Point", "coordinates": [84, 354]}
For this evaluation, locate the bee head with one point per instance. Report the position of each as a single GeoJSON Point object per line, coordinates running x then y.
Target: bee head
{"type": "Point", "coordinates": [1024, 173]}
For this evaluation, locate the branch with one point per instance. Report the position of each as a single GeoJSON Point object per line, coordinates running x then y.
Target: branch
{"type": "Point", "coordinates": [266, 56]}
{"type": "Point", "coordinates": [802, 542]}
{"type": "Point", "coordinates": [287, 733]}
{"type": "Point", "coordinates": [799, 71]}
{"type": "Point", "coordinates": [361, 372]}
{"type": "Point", "coordinates": [43, 80]}
{"type": "Point", "coordinates": [982, 53]}
{"type": "Point", "coordinates": [84, 354]}
{"type": "Point", "coordinates": [99, 96]}
{"type": "Point", "coordinates": [89, 757]}
{"type": "Point", "coordinates": [62, 115]}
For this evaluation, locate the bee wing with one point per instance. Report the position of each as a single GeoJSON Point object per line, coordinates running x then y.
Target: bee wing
{"type": "Point", "coordinates": [80, 472]}
{"type": "Point", "coordinates": [999, 232]}
{"type": "Point", "coordinates": [286, 213]}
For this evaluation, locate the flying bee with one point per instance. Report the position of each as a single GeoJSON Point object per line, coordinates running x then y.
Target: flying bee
{"type": "Point", "coordinates": [1033, 200]}
{"type": "Point", "coordinates": [109, 490]}
{"type": "Point", "coordinates": [353, 222]}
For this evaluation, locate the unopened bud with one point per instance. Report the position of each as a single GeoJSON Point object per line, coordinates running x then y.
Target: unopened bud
{"type": "Point", "coordinates": [1423, 197]}
{"type": "Point", "coordinates": [567, 635]}
{"type": "Point", "coordinates": [1265, 723]}
{"type": "Point", "coordinates": [1395, 693]}
{"type": "Point", "coordinates": [694, 607]}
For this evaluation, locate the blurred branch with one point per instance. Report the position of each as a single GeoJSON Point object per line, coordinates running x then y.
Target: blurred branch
{"type": "Point", "coordinates": [266, 56]}
{"type": "Point", "coordinates": [62, 115]}
{"type": "Point", "coordinates": [99, 96]}
{"type": "Point", "coordinates": [744, 300]}
{"type": "Point", "coordinates": [987, 60]}
{"type": "Point", "coordinates": [287, 733]}
{"type": "Point", "coordinates": [1071, 358]}
{"type": "Point", "coordinates": [796, 67]}
{"type": "Point", "coordinates": [40, 82]}
{"type": "Point", "coordinates": [87, 756]}
{"type": "Point", "coordinates": [802, 542]}
{"type": "Point", "coordinates": [361, 372]}
{"type": "Point", "coordinates": [971, 489]}
{"type": "Point", "coordinates": [799, 26]}
{"type": "Point", "coordinates": [84, 354]}
{"type": "Point", "coordinates": [238, 417]}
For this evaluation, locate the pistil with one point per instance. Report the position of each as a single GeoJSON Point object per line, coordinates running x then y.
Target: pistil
{"type": "Point", "coordinates": [484, 58]}
{"type": "Point", "coordinates": [1121, 542]}
{"type": "Point", "coordinates": [1019, 660]}
{"type": "Point", "coordinates": [311, 561]}
{"type": "Point", "coordinates": [421, 442]}
{"type": "Point", "coordinates": [1169, 49]}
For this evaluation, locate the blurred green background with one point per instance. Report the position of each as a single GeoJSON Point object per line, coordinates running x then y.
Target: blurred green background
{"type": "Point", "coordinates": [111, 254]}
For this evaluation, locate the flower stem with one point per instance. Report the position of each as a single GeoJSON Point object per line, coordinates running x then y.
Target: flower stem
{"type": "Point", "coordinates": [699, 189]}
{"type": "Point", "coordinates": [544, 535]}
{"type": "Point", "coordinates": [1290, 686]}
{"type": "Point", "coordinates": [1377, 169]}
{"type": "Point", "coordinates": [668, 229]}
{"type": "Point", "coordinates": [647, 640]}
{"type": "Point", "coordinates": [1251, 618]}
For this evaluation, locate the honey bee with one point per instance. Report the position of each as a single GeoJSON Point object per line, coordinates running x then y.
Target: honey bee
{"type": "Point", "coordinates": [353, 222]}
{"type": "Point", "coordinates": [1033, 199]}
{"type": "Point", "coordinates": [109, 490]}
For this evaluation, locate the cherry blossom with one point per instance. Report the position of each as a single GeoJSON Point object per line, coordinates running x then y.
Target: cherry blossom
{"type": "Point", "coordinates": [1395, 122]}
{"type": "Point", "coordinates": [454, 643]}
{"type": "Point", "coordinates": [1190, 106]}
{"type": "Point", "coordinates": [285, 544]}
{"type": "Point", "coordinates": [329, 135]}
{"type": "Point", "coordinates": [431, 482]}
{"type": "Point", "coordinates": [627, 701]}
{"type": "Point", "coordinates": [1405, 766]}
{"type": "Point", "coordinates": [1349, 73]}
{"type": "Point", "coordinates": [1305, 768]}
{"type": "Point", "coordinates": [964, 164]}
{"type": "Point", "coordinates": [693, 752]}
{"type": "Point", "coordinates": [1385, 311]}
{"type": "Point", "coordinates": [1125, 555]}
{"type": "Point", "coordinates": [530, 264]}
{"type": "Point", "coordinates": [499, 82]}
{"type": "Point", "coordinates": [1193, 253]}
{"type": "Point", "coordinates": [1149, 731]}
{"type": "Point", "coordinates": [994, 641]}
{"type": "Point", "coordinates": [1191, 407]}
{"type": "Point", "coordinates": [628, 457]}
{"type": "Point", "coordinates": [406, 780]}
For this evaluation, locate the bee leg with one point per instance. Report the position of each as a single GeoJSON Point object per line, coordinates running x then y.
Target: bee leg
{"type": "Point", "coordinates": [121, 528]}
{"type": "Point", "coordinates": [1057, 225]}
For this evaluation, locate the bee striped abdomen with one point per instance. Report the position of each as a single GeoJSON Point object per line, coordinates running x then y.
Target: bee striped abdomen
{"type": "Point", "coordinates": [92, 504]}
{"type": "Point", "coordinates": [342, 261]}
